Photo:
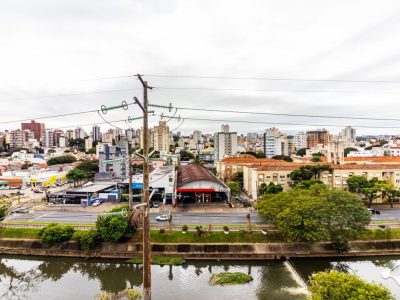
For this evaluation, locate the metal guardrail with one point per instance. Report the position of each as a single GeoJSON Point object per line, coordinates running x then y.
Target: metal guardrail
{"type": "Point", "coordinates": [39, 226]}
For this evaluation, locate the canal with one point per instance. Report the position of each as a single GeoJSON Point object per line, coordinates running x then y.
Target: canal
{"type": "Point", "coordinates": [45, 278]}
{"type": "Point", "coordinates": [48, 278]}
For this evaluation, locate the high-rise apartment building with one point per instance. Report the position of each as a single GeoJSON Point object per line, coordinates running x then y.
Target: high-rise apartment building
{"type": "Point", "coordinates": [48, 140]}
{"type": "Point", "coordinates": [349, 135]}
{"type": "Point", "coordinates": [96, 134]}
{"type": "Point", "coordinates": [300, 140]}
{"type": "Point", "coordinates": [225, 143]}
{"type": "Point", "coordinates": [272, 142]}
{"type": "Point", "coordinates": [16, 138]}
{"type": "Point", "coordinates": [36, 128]}
{"type": "Point", "coordinates": [162, 137]}
{"type": "Point", "coordinates": [119, 168]}
{"type": "Point", "coordinates": [197, 137]}
{"type": "Point", "coordinates": [58, 133]}
{"type": "Point", "coordinates": [69, 134]}
{"type": "Point", "coordinates": [79, 133]}
{"type": "Point", "coordinates": [317, 137]}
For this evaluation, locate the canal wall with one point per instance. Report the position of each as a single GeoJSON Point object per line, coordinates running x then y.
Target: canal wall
{"type": "Point", "coordinates": [237, 251]}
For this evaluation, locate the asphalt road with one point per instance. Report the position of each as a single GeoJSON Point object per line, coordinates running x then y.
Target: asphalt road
{"type": "Point", "coordinates": [178, 218]}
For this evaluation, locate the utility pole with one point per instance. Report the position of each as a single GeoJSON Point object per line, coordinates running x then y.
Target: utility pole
{"type": "Point", "coordinates": [130, 182]}
{"type": "Point", "coordinates": [146, 217]}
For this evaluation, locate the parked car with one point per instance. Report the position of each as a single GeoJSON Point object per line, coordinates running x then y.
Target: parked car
{"type": "Point", "coordinates": [374, 211]}
{"type": "Point", "coordinates": [163, 217]}
{"type": "Point", "coordinates": [37, 191]}
{"type": "Point", "coordinates": [96, 203]}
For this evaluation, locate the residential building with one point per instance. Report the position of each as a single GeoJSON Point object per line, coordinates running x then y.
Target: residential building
{"type": "Point", "coordinates": [88, 143]}
{"type": "Point", "coordinates": [48, 138]}
{"type": "Point", "coordinates": [225, 143]}
{"type": "Point", "coordinates": [162, 137]}
{"type": "Point", "coordinates": [69, 134]}
{"type": "Point", "coordinates": [79, 133]}
{"type": "Point", "coordinates": [300, 140]}
{"type": "Point", "coordinates": [96, 134]}
{"type": "Point", "coordinates": [317, 137]}
{"type": "Point", "coordinates": [16, 138]}
{"type": "Point", "coordinates": [36, 128]}
{"type": "Point", "coordinates": [117, 169]}
{"type": "Point", "coordinates": [272, 142]}
{"type": "Point", "coordinates": [349, 136]}
{"type": "Point", "coordinates": [107, 137]}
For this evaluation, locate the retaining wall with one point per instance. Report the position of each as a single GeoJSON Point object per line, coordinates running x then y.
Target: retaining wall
{"type": "Point", "coordinates": [245, 251]}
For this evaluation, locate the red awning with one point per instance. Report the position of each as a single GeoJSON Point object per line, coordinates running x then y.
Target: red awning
{"type": "Point", "coordinates": [195, 190]}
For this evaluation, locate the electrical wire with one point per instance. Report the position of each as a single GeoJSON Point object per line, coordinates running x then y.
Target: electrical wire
{"type": "Point", "coordinates": [67, 95]}
{"type": "Point", "coordinates": [279, 114]}
{"type": "Point", "coordinates": [274, 90]}
{"type": "Point", "coordinates": [281, 123]}
{"type": "Point", "coordinates": [272, 78]}
{"type": "Point", "coordinates": [56, 116]}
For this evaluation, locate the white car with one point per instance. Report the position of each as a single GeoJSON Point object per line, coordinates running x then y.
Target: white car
{"type": "Point", "coordinates": [162, 218]}
{"type": "Point", "coordinates": [96, 203]}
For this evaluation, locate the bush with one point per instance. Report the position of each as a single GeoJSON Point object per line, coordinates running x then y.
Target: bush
{"type": "Point", "coordinates": [112, 228]}
{"type": "Point", "coordinates": [230, 278]}
{"type": "Point", "coordinates": [162, 230]}
{"type": "Point", "coordinates": [120, 208]}
{"type": "Point", "coordinates": [340, 286]}
{"type": "Point", "coordinates": [87, 239]}
{"type": "Point", "coordinates": [3, 211]}
{"type": "Point", "coordinates": [226, 228]}
{"type": "Point", "coordinates": [54, 233]}
{"type": "Point", "coordinates": [184, 228]}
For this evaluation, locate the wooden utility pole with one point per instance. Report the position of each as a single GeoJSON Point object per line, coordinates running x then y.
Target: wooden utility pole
{"type": "Point", "coordinates": [130, 182]}
{"type": "Point", "coordinates": [146, 217]}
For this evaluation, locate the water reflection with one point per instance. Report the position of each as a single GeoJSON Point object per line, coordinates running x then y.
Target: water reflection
{"type": "Point", "coordinates": [45, 278]}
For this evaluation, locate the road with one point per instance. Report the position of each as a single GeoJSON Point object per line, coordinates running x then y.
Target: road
{"type": "Point", "coordinates": [178, 218]}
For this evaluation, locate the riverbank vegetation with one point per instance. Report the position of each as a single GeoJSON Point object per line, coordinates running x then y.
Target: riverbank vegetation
{"type": "Point", "coordinates": [228, 278]}
{"type": "Point", "coordinates": [334, 285]}
{"type": "Point", "coordinates": [160, 260]}
{"type": "Point", "coordinates": [55, 233]}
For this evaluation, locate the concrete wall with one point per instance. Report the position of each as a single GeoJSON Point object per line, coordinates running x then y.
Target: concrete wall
{"type": "Point", "coordinates": [270, 251]}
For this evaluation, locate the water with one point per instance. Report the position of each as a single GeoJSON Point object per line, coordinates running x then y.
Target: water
{"type": "Point", "coordinates": [370, 269]}
{"type": "Point", "coordinates": [69, 278]}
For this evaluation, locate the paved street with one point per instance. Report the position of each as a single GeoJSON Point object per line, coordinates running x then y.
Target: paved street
{"type": "Point", "coordinates": [178, 218]}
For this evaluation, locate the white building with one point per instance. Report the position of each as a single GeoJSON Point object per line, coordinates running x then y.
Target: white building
{"type": "Point", "coordinates": [349, 135]}
{"type": "Point", "coordinates": [272, 142]}
{"type": "Point", "coordinates": [300, 140]}
{"type": "Point", "coordinates": [225, 143]}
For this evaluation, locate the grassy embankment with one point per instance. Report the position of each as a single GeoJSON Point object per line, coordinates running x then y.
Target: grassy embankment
{"type": "Point", "coordinates": [207, 237]}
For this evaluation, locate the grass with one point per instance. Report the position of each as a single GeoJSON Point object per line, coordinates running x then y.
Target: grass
{"type": "Point", "coordinates": [160, 260]}
{"type": "Point", "coordinates": [228, 278]}
{"type": "Point", "coordinates": [208, 237]}
{"type": "Point", "coordinates": [376, 234]}
{"type": "Point", "coordinates": [19, 233]}
{"type": "Point", "coordinates": [47, 223]}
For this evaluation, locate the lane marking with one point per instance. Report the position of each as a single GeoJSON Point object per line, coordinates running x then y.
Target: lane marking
{"type": "Point", "coordinates": [41, 216]}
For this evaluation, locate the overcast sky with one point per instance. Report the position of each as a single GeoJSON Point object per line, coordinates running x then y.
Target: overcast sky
{"type": "Point", "coordinates": [51, 47]}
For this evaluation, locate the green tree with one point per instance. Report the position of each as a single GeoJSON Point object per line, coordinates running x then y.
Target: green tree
{"type": "Point", "coordinates": [76, 175]}
{"type": "Point", "coordinates": [348, 150]}
{"type": "Point", "coordinates": [282, 157]}
{"type": "Point", "coordinates": [316, 159]}
{"type": "Point", "coordinates": [388, 192]}
{"type": "Point", "coordinates": [315, 214]}
{"type": "Point", "coordinates": [271, 188]}
{"type": "Point", "coordinates": [91, 150]}
{"type": "Point", "coordinates": [186, 155]}
{"type": "Point", "coordinates": [64, 159]}
{"type": "Point", "coordinates": [306, 184]}
{"type": "Point", "coordinates": [333, 285]}
{"type": "Point", "coordinates": [112, 228]}
{"type": "Point", "coordinates": [3, 211]}
{"type": "Point", "coordinates": [54, 233]}
{"type": "Point", "coordinates": [357, 183]}
{"type": "Point", "coordinates": [301, 152]}
{"type": "Point", "coordinates": [309, 172]}
{"type": "Point", "coordinates": [234, 187]}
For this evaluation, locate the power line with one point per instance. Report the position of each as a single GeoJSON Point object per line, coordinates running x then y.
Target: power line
{"type": "Point", "coordinates": [277, 123]}
{"type": "Point", "coordinates": [67, 95]}
{"type": "Point", "coordinates": [273, 79]}
{"type": "Point", "coordinates": [56, 116]}
{"type": "Point", "coordinates": [275, 90]}
{"type": "Point", "coordinates": [275, 114]}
